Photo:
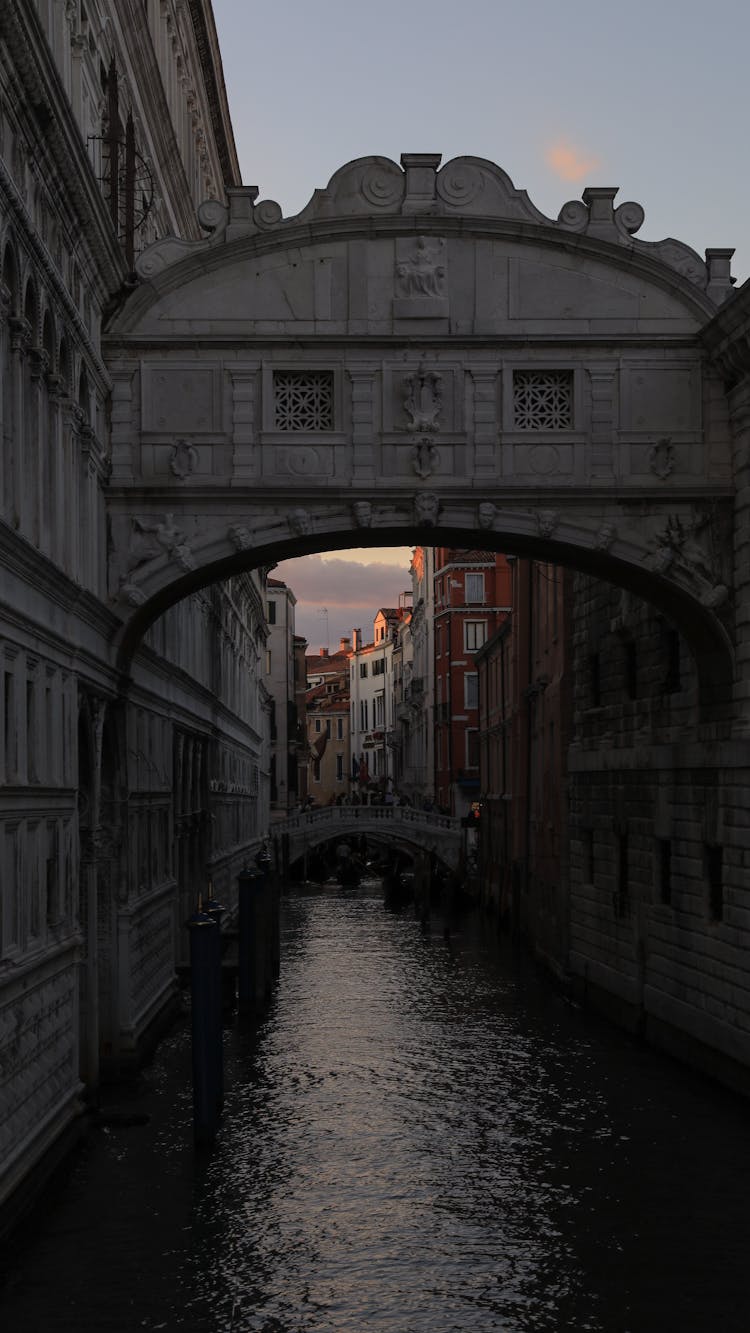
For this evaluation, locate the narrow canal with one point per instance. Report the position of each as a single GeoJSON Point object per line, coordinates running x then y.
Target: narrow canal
{"type": "Point", "coordinates": [422, 1136]}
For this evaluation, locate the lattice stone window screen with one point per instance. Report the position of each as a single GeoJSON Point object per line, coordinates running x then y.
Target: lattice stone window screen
{"type": "Point", "coordinates": [303, 400]}
{"type": "Point", "coordinates": [543, 399]}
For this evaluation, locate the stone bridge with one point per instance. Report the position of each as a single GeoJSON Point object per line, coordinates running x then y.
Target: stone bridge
{"type": "Point", "coordinates": [421, 356]}
{"type": "Point", "coordinates": [400, 825]}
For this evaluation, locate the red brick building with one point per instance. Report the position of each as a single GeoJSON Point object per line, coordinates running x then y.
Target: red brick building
{"type": "Point", "coordinates": [525, 720]}
{"type": "Point", "coordinates": [472, 599]}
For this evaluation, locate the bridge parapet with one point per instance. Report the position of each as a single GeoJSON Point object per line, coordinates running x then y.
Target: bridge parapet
{"type": "Point", "coordinates": [415, 830]}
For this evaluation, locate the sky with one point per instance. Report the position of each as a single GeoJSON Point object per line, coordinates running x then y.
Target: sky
{"type": "Point", "coordinates": [652, 96]}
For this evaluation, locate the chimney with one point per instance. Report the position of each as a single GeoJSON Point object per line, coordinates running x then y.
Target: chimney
{"type": "Point", "coordinates": [356, 639]}
{"type": "Point", "coordinates": [324, 652]}
{"type": "Point", "coordinates": [345, 645]}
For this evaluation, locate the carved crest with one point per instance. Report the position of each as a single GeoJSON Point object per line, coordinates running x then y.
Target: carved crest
{"type": "Point", "coordinates": [423, 400]}
{"type": "Point", "coordinates": [661, 458]}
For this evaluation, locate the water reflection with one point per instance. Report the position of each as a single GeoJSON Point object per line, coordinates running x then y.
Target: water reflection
{"type": "Point", "coordinates": [426, 1145]}
{"type": "Point", "coordinates": [421, 1135]}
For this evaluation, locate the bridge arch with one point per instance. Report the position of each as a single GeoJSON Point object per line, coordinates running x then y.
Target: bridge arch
{"type": "Point", "coordinates": [421, 355]}
{"type": "Point", "coordinates": [415, 831]}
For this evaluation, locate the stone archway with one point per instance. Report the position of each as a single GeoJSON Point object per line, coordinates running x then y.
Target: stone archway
{"type": "Point", "coordinates": [421, 356]}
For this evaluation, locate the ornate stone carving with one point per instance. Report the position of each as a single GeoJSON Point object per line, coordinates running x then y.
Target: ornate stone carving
{"type": "Point", "coordinates": [362, 511]}
{"type": "Point", "coordinates": [240, 537]}
{"type": "Point", "coordinates": [426, 509]}
{"type": "Point", "coordinates": [382, 185]}
{"type": "Point", "coordinates": [425, 458]}
{"type": "Point", "coordinates": [300, 522]}
{"type": "Point", "coordinates": [423, 273]}
{"type": "Point", "coordinates": [213, 217]}
{"type": "Point", "coordinates": [605, 537]}
{"type": "Point", "coordinates": [547, 520]}
{"type": "Point", "coordinates": [459, 183]}
{"type": "Point", "coordinates": [423, 400]}
{"type": "Point", "coordinates": [678, 545]}
{"type": "Point", "coordinates": [183, 459]}
{"type": "Point", "coordinates": [661, 458]}
{"type": "Point", "coordinates": [150, 541]}
{"type": "Point", "coordinates": [486, 513]}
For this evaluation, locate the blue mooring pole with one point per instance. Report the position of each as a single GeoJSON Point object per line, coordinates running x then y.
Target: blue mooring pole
{"type": "Point", "coordinates": [247, 893]}
{"type": "Point", "coordinates": [203, 984]}
{"type": "Point", "coordinates": [216, 910]}
{"type": "Point", "coordinates": [266, 922]}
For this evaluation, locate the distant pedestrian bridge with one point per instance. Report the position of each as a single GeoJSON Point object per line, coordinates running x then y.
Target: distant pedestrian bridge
{"type": "Point", "coordinates": [409, 829]}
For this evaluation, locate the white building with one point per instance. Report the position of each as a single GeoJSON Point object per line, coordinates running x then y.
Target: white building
{"type": "Point", "coordinates": [372, 702]}
{"type": "Point", "coordinates": [123, 789]}
{"type": "Point", "coordinates": [282, 685]}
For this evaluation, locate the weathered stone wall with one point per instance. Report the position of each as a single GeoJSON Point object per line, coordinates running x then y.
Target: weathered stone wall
{"type": "Point", "coordinates": [659, 891]}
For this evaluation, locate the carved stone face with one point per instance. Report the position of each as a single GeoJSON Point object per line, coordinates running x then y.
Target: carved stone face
{"type": "Point", "coordinates": [300, 521]}
{"type": "Point", "coordinates": [426, 508]}
{"type": "Point", "coordinates": [362, 510]}
{"type": "Point", "coordinates": [487, 513]}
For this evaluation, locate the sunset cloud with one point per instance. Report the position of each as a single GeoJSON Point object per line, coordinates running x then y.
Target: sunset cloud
{"type": "Point", "coordinates": [352, 593]}
{"type": "Point", "coordinates": [568, 162]}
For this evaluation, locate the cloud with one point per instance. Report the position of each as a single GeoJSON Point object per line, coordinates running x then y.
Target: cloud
{"type": "Point", "coordinates": [569, 162]}
{"type": "Point", "coordinates": [351, 593]}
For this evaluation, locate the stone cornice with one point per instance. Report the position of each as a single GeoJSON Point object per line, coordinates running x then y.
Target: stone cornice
{"type": "Point", "coordinates": [19, 557]}
{"type": "Point", "coordinates": [57, 138]}
{"type": "Point", "coordinates": [207, 44]}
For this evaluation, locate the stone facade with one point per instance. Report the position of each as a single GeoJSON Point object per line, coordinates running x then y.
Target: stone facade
{"type": "Point", "coordinates": [122, 793]}
{"type": "Point", "coordinates": [420, 356]}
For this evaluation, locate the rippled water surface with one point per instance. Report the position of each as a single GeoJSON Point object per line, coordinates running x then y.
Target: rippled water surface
{"type": "Point", "coordinates": [421, 1137]}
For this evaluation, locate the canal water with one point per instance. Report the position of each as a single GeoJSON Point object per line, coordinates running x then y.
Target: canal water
{"type": "Point", "coordinates": [421, 1136]}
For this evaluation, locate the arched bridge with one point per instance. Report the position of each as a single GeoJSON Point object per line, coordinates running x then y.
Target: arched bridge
{"type": "Point", "coordinates": [413, 830]}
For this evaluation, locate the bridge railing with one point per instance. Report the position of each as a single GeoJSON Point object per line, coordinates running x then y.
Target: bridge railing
{"type": "Point", "coordinates": [348, 816]}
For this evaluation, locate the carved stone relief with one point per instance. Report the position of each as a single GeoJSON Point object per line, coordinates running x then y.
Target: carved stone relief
{"type": "Point", "coordinates": [420, 279]}
{"type": "Point", "coordinates": [425, 458]}
{"type": "Point", "coordinates": [426, 509]}
{"type": "Point", "coordinates": [547, 520]}
{"type": "Point", "coordinates": [687, 545]}
{"type": "Point", "coordinates": [183, 459]}
{"type": "Point", "coordinates": [300, 522]}
{"type": "Point", "coordinates": [240, 537]}
{"type": "Point", "coordinates": [363, 515]}
{"type": "Point", "coordinates": [423, 400]}
{"type": "Point", "coordinates": [661, 458]}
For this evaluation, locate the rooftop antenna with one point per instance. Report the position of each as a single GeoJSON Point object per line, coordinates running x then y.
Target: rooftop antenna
{"type": "Point", "coordinates": [324, 612]}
